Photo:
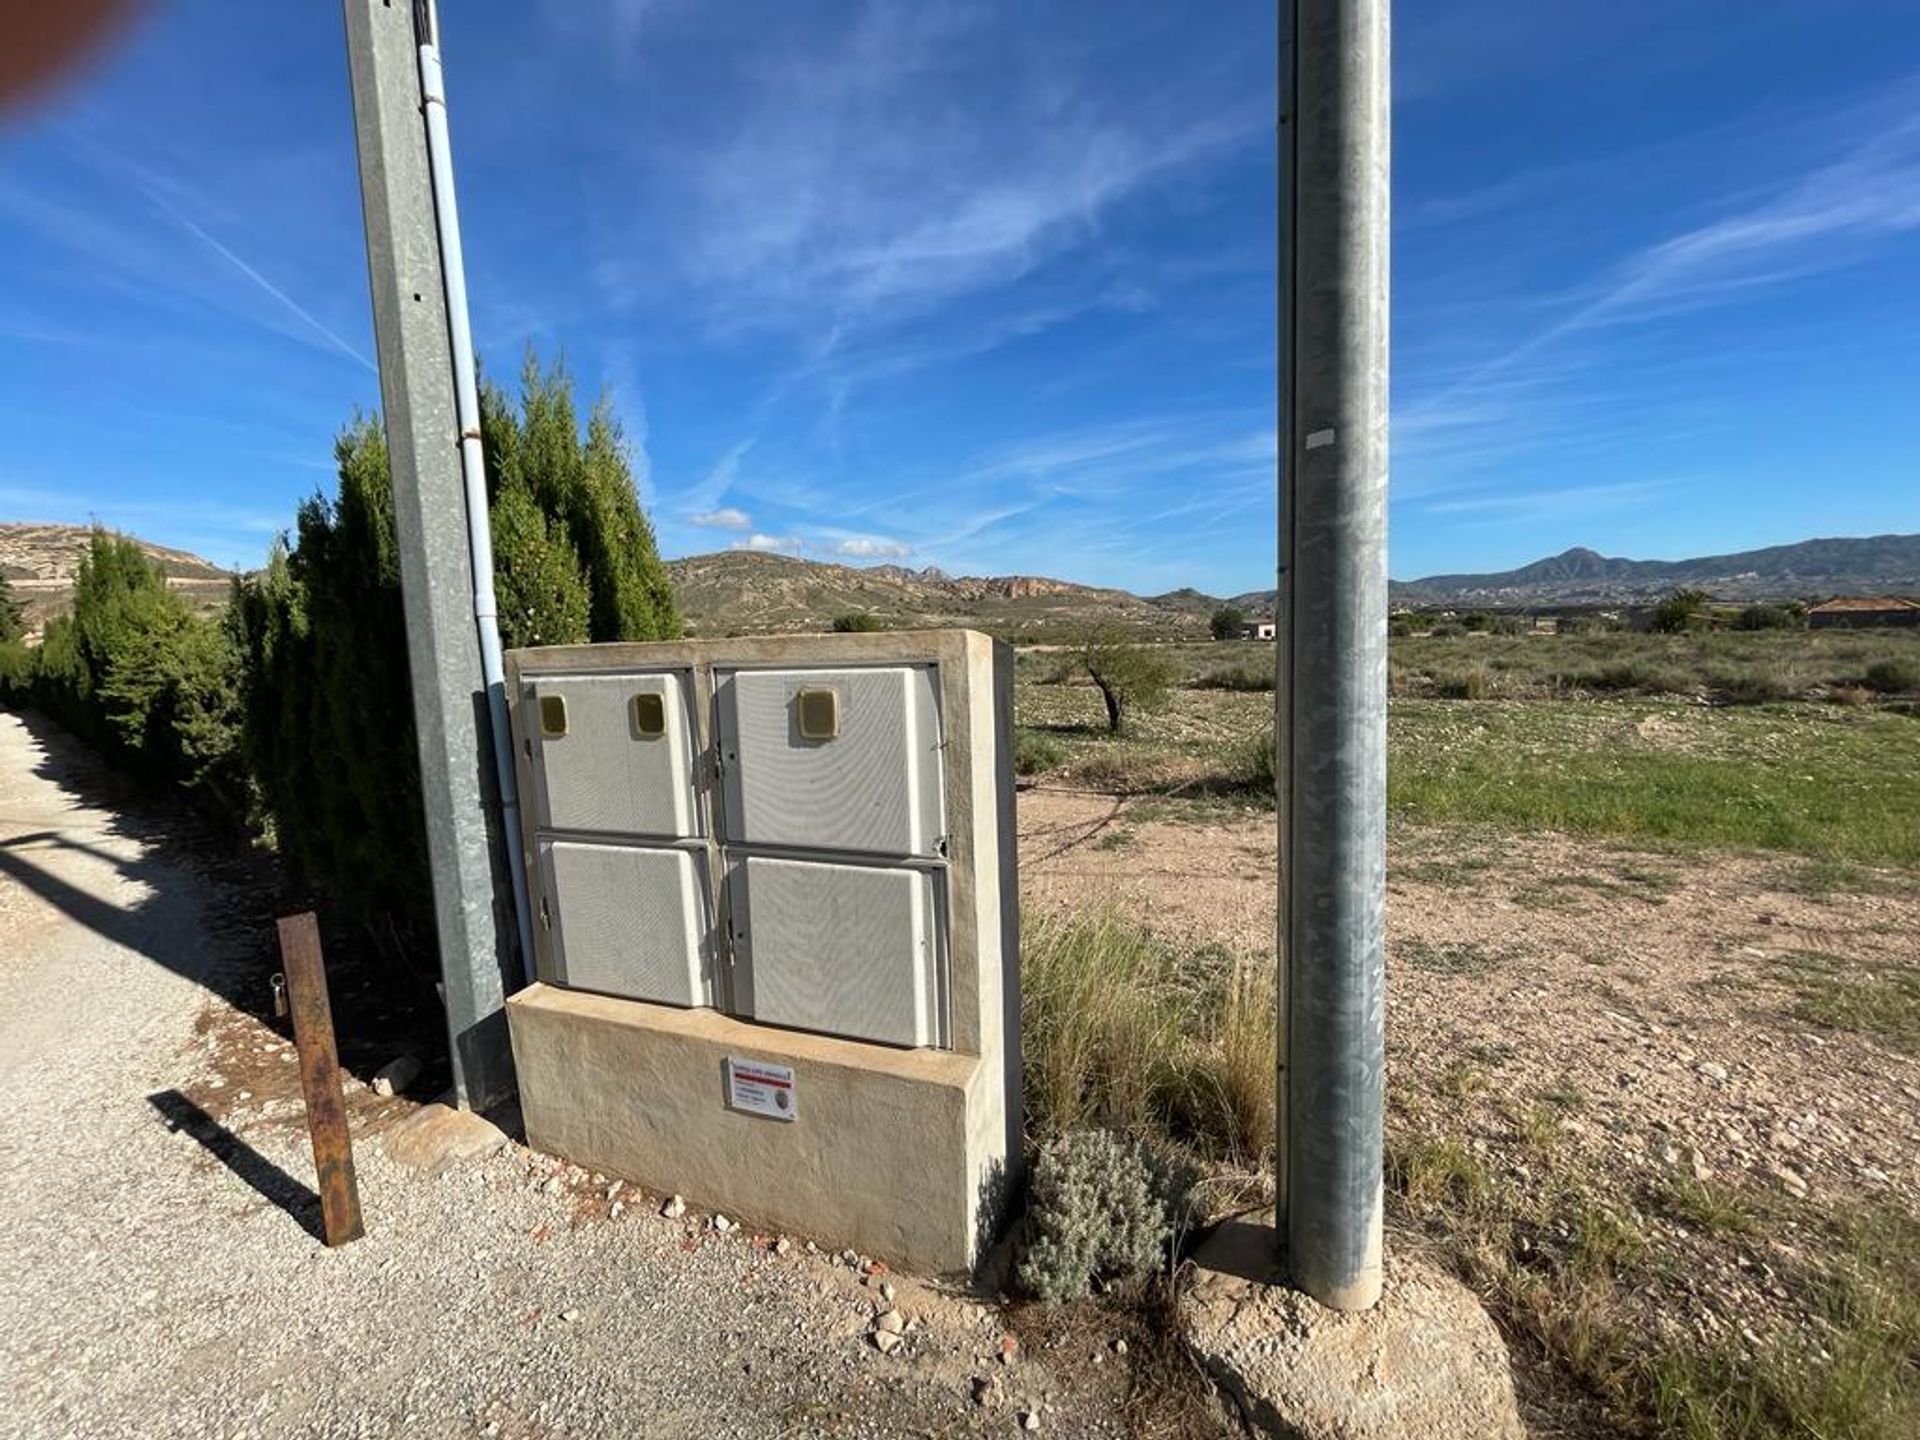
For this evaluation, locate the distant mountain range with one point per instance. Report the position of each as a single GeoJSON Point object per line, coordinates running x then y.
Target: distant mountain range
{"type": "Point", "coordinates": [745, 592]}
{"type": "Point", "coordinates": [1862, 566]}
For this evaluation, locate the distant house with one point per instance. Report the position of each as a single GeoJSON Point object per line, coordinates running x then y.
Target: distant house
{"type": "Point", "coordinates": [1863, 610]}
{"type": "Point", "coordinates": [1256, 630]}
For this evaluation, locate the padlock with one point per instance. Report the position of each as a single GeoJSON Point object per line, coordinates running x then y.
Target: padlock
{"type": "Point", "coordinates": [280, 1008]}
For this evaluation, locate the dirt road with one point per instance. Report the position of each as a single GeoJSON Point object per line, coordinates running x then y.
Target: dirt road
{"type": "Point", "coordinates": [157, 1277]}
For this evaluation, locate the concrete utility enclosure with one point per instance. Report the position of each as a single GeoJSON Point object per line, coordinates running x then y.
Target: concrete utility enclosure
{"type": "Point", "coordinates": [776, 928]}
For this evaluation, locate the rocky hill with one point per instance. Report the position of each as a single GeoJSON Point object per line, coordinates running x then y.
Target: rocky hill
{"type": "Point", "coordinates": [745, 592]}
{"type": "Point", "coordinates": [40, 562]}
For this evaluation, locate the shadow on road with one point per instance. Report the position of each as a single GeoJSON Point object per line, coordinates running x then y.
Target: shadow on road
{"type": "Point", "coordinates": [209, 906]}
{"type": "Point", "coordinates": [266, 1178]}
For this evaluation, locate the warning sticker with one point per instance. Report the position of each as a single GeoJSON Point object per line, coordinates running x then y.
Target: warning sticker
{"type": "Point", "coordinates": [761, 1089]}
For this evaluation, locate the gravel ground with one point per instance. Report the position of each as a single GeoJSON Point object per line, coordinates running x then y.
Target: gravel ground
{"type": "Point", "coordinates": [159, 1278]}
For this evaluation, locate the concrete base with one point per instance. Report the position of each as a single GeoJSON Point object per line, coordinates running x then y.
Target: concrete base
{"type": "Point", "coordinates": [1427, 1361]}
{"type": "Point", "coordinates": [899, 1154]}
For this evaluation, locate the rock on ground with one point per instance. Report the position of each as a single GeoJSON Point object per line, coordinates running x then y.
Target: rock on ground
{"type": "Point", "coordinates": [1426, 1362]}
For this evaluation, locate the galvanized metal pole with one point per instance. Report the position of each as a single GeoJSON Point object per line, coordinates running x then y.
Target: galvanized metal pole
{"type": "Point", "coordinates": [470, 890]}
{"type": "Point", "coordinates": [1330, 701]}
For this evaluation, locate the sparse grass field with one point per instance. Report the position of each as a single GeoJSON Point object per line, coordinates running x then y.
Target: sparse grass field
{"type": "Point", "coordinates": [1654, 1012]}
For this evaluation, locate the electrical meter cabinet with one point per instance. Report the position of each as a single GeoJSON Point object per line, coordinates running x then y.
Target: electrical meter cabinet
{"type": "Point", "coordinates": [776, 929]}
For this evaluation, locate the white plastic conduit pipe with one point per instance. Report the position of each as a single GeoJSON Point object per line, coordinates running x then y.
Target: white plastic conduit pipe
{"type": "Point", "coordinates": [473, 471]}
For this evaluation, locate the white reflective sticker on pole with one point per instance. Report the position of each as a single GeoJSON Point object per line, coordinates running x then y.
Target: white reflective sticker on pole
{"type": "Point", "coordinates": [1319, 439]}
{"type": "Point", "coordinates": [761, 1089]}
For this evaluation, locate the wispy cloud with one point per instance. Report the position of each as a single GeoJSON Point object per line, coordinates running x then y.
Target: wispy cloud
{"type": "Point", "coordinates": [1549, 503]}
{"type": "Point", "coordinates": [704, 498]}
{"type": "Point", "coordinates": [1826, 219]}
{"type": "Point", "coordinates": [725, 518]}
{"type": "Point", "coordinates": [293, 307]}
{"type": "Point", "coordinates": [843, 193]}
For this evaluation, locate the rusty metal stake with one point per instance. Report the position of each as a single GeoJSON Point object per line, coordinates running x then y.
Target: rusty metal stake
{"type": "Point", "coordinates": [306, 973]}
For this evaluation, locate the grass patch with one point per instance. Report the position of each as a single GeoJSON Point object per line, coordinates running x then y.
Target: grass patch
{"type": "Point", "coordinates": [1035, 752]}
{"type": "Point", "coordinates": [1884, 1003]}
{"type": "Point", "coordinates": [1452, 870]}
{"type": "Point", "coordinates": [1462, 1081]}
{"type": "Point", "coordinates": [1828, 783]}
{"type": "Point", "coordinates": [1577, 1276]}
{"type": "Point", "coordinates": [1447, 957]}
{"type": "Point", "coordinates": [1565, 1096]}
{"type": "Point", "coordinates": [1438, 1171]}
{"type": "Point", "coordinates": [1854, 1372]}
{"type": "Point", "coordinates": [1708, 1207]}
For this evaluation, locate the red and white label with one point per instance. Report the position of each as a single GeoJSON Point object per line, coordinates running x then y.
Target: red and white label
{"type": "Point", "coordinates": [762, 1089]}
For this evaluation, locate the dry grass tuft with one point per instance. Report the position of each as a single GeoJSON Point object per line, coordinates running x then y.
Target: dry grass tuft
{"type": "Point", "coordinates": [1124, 1031]}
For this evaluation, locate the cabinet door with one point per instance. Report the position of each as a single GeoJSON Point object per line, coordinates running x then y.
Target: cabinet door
{"type": "Point", "coordinates": [825, 759]}
{"type": "Point", "coordinates": [613, 753]}
{"type": "Point", "coordinates": [851, 950]}
{"type": "Point", "coordinates": [628, 920]}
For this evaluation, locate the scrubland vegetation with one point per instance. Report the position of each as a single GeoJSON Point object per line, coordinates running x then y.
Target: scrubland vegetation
{"type": "Point", "coordinates": [1664, 754]}
{"type": "Point", "coordinates": [288, 714]}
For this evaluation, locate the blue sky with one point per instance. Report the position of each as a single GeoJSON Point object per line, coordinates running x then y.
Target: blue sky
{"type": "Point", "coordinates": [991, 286]}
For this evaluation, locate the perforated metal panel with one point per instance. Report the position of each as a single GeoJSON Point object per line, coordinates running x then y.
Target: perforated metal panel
{"type": "Point", "coordinates": [872, 786]}
{"type": "Point", "coordinates": [849, 949]}
{"type": "Point", "coordinates": [628, 920]}
{"type": "Point", "coordinates": [620, 767]}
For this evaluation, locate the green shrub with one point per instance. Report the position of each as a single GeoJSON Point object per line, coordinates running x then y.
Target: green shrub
{"type": "Point", "coordinates": [1638, 673]}
{"type": "Point", "coordinates": [1890, 677]}
{"type": "Point", "coordinates": [1475, 682]}
{"type": "Point", "coordinates": [16, 672]}
{"type": "Point", "coordinates": [1771, 617]}
{"type": "Point", "coordinates": [1102, 1208]}
{"type": "Point", "coordinates": [1250, 764]}
{"type": "Point", "coordinates": [135, 673]}
{"type": "Point", "coordinates": [1447, 630]}
{"type": "Point", "coordinates": [1678, 612]}
{"type": "Point", "coordinates": [1034, 752]}
{"type": "Point", "coordinates": [1754, 685]}
{"type": "Point", "coordinates": [1235, 677]}
{"type": "Point", "coordinates": [857, 622]}
{"type": "Point", "coordinates": [1225, 622]}
{"type": "Point", "coordinates": [13, 620]}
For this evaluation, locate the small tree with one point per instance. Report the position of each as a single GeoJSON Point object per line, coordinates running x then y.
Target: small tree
{"type": "Point", "coordinates": [1131, 677]}
{"type": "Point", "coordinates": [1678, 611]}
{"type": "Point", "coordinates": [13, 621]}
{"type": "Point", "coordinates": [1227, 621]}
{"type": "Point", "coordinates": [857, 622]}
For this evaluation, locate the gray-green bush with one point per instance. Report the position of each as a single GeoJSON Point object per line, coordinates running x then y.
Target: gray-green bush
{"type": "Point", "coordinates": [1101, 1208]}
